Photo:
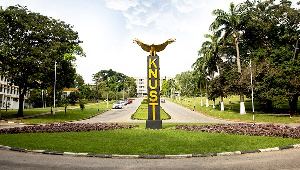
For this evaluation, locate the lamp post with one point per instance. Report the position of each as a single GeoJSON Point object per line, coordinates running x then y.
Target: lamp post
{"type": "Point", "coordinates": [252, 90]}
{"type": "Point", "coordinates": [107, 93]}
{"type": "Point", "coordinates": [96, 79]}
{"type": "Point", "coordinates": [97, 93]}
{"type": "Point", "coordinates": [54, 89]}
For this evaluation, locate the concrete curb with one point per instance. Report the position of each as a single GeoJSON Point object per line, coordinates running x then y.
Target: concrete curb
{"type": "Point", "coordinates": [148, 156]}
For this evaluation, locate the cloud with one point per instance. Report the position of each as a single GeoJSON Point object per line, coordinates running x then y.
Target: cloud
{"type": "Point", "coordinates": [160, 15]}
{"type": "Point", "coordinates": [186, 6]}
{"type": "Point", "coordinates": [121, 5]}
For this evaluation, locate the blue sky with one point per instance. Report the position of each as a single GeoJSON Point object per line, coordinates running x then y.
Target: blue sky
{"type": "Point", "coordinates": [107, 28]}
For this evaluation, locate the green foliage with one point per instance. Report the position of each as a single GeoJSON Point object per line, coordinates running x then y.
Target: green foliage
{"type": "Point", "coordinates": [73, 97]}
{"type": "Point", "coordinates": [115, 83]}
{"type": "Point", "coordinates": [30, 45]}
{"type": "Point", "coordinates": [169, 87]}
{"type": "Point", "coordinates": [81, 106]}
{"type": "Point", "coordinates": [267, 32]}
{"type": "Point", "coordinates": [187, 83]}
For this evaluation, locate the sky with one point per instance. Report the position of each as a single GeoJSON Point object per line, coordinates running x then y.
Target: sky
{"type": "Point", "coordinates": [108, 27]}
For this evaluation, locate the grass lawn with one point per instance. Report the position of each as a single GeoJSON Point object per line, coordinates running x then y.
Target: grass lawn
{"type": "Point", "coordinates": [141, 141]}
{"type": "Point", "coordinates": [142, 113]}
{"type": "Point", "coordinates": [72, 114]}
{"type": "Point", "coordinates": [232, 111]}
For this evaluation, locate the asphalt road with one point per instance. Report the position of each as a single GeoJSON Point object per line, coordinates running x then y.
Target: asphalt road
{"type": "Point", "coordinates": [283, 159]}
{"type": "Point", "coordinates": [181, 114]}
{"type": "Point", "coordinates": [117, 115]}
{"type": "Point", "coordinates": [178, 114]}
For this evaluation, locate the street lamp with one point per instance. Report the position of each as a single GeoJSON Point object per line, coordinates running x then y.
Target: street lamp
{"type": "Point", "coordinates": [252, 90]}
{"type": "Point", "coordinates": [97, 79]}
{"type": "Point", "coordinates": [252, 98]}
{"type": "Point", "coordinates": [54, 89]}
{"type": "Point", "coordinates": [107, 92]}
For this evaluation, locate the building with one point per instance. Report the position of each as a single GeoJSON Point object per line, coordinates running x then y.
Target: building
{"type": "Point", "coordinates": [141, 85]}
{"type": "Point", "coordinates": [9, 95]}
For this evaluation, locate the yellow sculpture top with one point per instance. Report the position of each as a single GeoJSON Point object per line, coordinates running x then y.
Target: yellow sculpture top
{"type": "Point", "coordinates": [154, 48]}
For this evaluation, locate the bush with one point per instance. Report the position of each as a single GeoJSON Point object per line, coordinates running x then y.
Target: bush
{"type": "Point", "coordinates": [145, 101]}
{"type": "Point", "coordinates": [82, 106]}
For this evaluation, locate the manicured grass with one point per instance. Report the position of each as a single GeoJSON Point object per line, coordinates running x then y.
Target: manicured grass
{"type": "Point", "coordinates": [142, 113]}
{"type": "Point", "coordinates": [74, 114]}
{"type": "Point", "coordinates": [232, 111]}
{"type": "Point", "coordinates": [28, 112]}
{"type": "Point", "coordinates": [141, 141]}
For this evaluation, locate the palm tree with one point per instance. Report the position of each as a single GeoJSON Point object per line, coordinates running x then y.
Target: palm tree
{"type": "Point", "coordinates": [204, 64]}
{"type": "Point", "coordinates": [197, 66]}
{"type": "Point", "coordinates": [229, 24]}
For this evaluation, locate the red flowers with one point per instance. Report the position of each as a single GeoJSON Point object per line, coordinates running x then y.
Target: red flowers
{"type": "Point", "coordinates": [247, 129]}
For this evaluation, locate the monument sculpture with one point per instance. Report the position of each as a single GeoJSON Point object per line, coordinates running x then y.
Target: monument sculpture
{"type": "Point", "coordinates": [153, 82]}
{"type": "Point", "coordinates": [154, 48]}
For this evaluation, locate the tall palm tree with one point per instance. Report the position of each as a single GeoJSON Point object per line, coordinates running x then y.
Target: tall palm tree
{"type": "Point", "coordinates": [206, 64]}
{"type": "Point", "coordinates": [199, 71]}
{"type": "Point", "coordinates": [229, 24]}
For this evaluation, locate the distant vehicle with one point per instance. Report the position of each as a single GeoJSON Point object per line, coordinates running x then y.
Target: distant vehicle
{"type": "Point", "coordinates": [117, 105]}
{"type": "Point", "coordinates": [123, 102]}
{"type": "Point", "coordinates": [163, 100]}
{"type": "Point", "coordinates": [129, 101]}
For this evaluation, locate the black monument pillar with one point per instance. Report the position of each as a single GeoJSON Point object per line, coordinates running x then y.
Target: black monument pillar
{"type": "Point", "coordinates": [153, 77]}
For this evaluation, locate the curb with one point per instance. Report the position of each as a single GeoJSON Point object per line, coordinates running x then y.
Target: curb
{"type": "Point", "coordinates": [147, 156]}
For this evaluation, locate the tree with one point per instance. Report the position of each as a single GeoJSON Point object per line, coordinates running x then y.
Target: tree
{"type": "Point", "coordinates": [272, 36]}
{"type": "Point", "coordinates": [187, 83]}
{"type": "Point", "coordinates": [30, 45]}
{"type": "Point", "coordinates": [230, 24]}
{"type": "Point", "coordinates": [169, 87]}
{"type": "Point", "coordinates": [200, 73]}
{"type": "Point", "coordinates": [130, 86]}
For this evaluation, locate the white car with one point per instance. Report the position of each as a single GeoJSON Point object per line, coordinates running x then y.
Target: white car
{"type": "Point", "coordinates": [117, 105]}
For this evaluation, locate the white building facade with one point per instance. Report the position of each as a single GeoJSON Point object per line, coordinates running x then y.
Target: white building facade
{"type": "Point", "coordinates": [141, 85]}
{"type": "Point", "coordinates": [9, 95]}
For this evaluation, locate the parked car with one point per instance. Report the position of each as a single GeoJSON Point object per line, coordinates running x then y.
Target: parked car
{"type": "Point", "coordinates": [129, 101]}
{"type": "Point", "coordinates": [163, 100]}
{"type": "Point", "coordinates": [117, 105]}
{"type": "Point", "coordinates": [123, 103]}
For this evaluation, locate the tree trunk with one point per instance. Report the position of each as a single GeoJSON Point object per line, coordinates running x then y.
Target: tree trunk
{"type": "Point", "coordinates": [296, 52]}
{"type": "Point", "coordinates": [206, 94]}
{"type": "Point", "coordinates": [293, 103]}
{"type": "Point", "coordinates": [237, 53]}
{"type": "Point", "coordinates": [269, 105]}
{"type": "Point", "coordinates": [222, 103]}
{"type": "Point", "coordinates": [201, 95]}
{"type": "Point", "coordinates": [242, 102]}
{"type": "Point", "coordinates": [22, 93]}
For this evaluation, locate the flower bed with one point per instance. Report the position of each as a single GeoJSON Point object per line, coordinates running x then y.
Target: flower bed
{"type": "Point", "coordinates": [246, 129]}
{"type": "Point", "coordinates": [65, 127]}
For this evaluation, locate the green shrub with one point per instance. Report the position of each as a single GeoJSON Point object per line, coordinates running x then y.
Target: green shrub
{"type": "Point", "coordinates": [81, 106]}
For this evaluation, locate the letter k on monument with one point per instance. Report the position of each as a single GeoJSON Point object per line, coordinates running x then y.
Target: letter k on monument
{"type": "Point", "coordinates": [153, 76]}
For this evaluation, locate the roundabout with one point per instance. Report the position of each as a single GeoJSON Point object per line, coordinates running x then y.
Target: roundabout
{"type": "Point", "coordinates": [123, 117]}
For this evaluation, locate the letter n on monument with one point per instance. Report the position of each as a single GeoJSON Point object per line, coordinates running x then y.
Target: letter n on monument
{"type": "Point", "coordinates": [153, 74]}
